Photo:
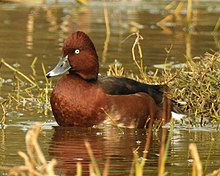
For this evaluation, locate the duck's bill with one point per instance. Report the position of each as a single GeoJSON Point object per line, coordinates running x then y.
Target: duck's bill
{"type": "Point", "coordinates": [62, 66]}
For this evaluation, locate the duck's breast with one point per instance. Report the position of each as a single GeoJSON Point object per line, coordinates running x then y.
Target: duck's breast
{"type": "Point", "coordinates": [76, 102]}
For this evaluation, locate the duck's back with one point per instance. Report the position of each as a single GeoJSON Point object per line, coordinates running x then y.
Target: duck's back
{"type": "Point", "coordinates": [125, 86]}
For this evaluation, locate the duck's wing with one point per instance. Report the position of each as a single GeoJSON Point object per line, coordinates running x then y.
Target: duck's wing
{"type": "Point", "coordinates": [124, 86]}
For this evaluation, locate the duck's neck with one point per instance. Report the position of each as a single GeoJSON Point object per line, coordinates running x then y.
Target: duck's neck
{"type": "Point", "coordinates": [88, 73]}
{"type": "Point", "coordinates": [91, 79]}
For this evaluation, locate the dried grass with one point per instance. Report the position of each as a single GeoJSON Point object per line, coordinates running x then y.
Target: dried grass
{"type": "Point", "coordinates": [198, 86]}
{"type": "Point", "coordinates": [35, 162]}
{"type": "Point", "coordinates": [27, 93]}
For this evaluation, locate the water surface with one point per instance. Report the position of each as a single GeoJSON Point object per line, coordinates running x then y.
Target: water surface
{"type": "Point", "coordinates": [38, 30]}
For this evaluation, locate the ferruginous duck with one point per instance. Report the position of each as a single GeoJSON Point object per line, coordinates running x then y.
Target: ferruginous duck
{"type": "Point", "coordinates": [81, 98]}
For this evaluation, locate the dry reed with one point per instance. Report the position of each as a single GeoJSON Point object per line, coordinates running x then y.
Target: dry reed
{"type": "Point", "coordinates": [35, 161]}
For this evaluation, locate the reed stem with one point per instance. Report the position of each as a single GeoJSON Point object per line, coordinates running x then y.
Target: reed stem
{"type": "Point", "coordinates": [18, 72]}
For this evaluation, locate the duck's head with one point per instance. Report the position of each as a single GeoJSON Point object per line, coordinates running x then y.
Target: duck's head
{"type": "Point", "coordinates": [78, 57]}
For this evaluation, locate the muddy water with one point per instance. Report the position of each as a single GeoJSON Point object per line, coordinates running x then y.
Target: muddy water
{"type": "Point", "coordinates": [37, 30]}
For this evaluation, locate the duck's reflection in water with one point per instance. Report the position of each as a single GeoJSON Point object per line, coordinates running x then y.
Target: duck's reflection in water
{"type": "Point", "coordinates": [68, 147]}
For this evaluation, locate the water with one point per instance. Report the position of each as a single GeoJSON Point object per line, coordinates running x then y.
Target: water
{"type": "Point", "coordinates": [67, 146]}
{"type": "Point", "coordinates": [38, 30]}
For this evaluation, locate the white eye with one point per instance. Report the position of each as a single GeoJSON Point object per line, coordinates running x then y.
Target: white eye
{"type": "Point", "coordinates": [77, 51]}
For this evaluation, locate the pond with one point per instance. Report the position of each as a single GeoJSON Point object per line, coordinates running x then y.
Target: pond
{"type": "Point", "coordinates": [37, 30]}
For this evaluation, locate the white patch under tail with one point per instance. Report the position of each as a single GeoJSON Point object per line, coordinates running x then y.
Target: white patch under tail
{"type": "Point", "coordinates": [177, 116]}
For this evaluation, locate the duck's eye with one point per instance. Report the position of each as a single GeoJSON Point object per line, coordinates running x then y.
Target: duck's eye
{"type": "Point", "coordinates": [77, 51]}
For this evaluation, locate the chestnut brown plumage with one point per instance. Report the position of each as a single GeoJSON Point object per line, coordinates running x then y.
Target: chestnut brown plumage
{"type": "Point", "coordinates": [81, 98]}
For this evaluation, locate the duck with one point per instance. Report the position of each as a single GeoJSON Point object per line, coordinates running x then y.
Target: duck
{"type": "Point", "coordinates": [82, 98]}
